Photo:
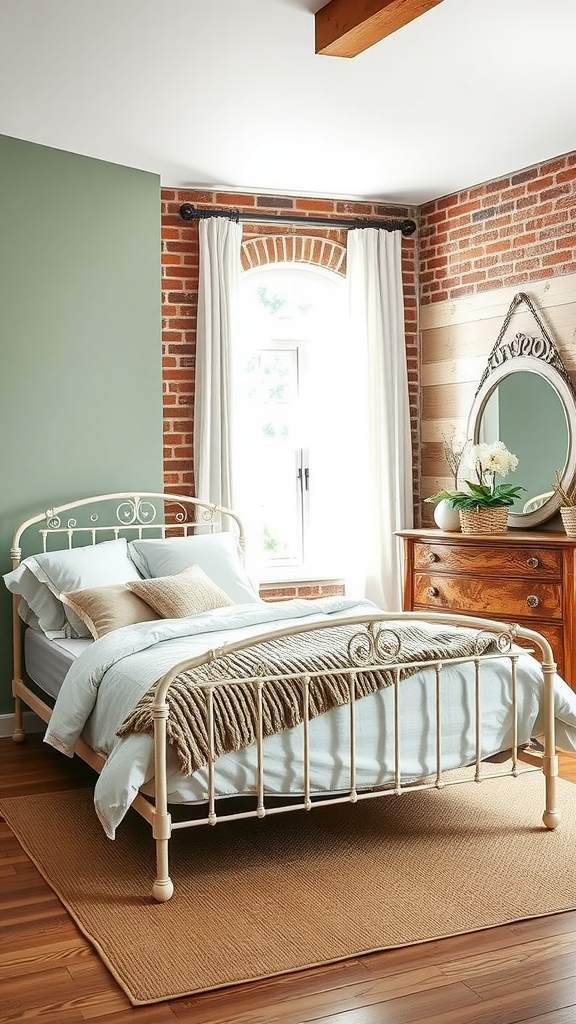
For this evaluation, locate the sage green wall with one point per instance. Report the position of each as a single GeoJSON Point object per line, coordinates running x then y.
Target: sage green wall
{"type": "Point", "coordinates": [80, 338]}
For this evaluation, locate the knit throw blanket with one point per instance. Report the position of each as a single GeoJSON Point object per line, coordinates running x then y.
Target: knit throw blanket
{"type": "Point", "coordinates": [318, 651]}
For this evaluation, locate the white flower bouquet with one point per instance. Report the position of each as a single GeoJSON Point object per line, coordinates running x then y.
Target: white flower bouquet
{"type": "Point", "coordinates": [490, 461]}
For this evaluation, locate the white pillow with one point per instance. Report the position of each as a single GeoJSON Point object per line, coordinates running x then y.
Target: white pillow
{"type": "Point", "coordinates": [38, 607]}
{"type": "Point", "coordinates": [58, 572]}
{"type": "Point", "coordinates": [217, 554]}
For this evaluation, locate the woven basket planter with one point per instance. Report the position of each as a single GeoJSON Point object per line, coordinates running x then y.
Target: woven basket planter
{"type": "Point", "coordinates": [568, 513]}
{"type": "Point", "coordinates": [484, 520]}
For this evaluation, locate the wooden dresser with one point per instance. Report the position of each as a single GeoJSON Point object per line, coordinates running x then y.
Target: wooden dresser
{"type": "Point", "coordinates": [522, 577]}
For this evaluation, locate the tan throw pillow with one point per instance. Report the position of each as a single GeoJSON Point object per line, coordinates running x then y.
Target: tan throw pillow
{"type": "Point", "coordinates": [190, 592]}
{"type": "Point", "coordinates": [103, 609]}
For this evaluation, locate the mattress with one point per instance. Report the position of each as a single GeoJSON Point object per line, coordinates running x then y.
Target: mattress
{"type": "Point", "coordinates": [47, 661]}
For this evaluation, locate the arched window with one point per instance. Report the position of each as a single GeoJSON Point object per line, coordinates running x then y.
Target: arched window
{"type": "Point", "coordinates": [290, 402]}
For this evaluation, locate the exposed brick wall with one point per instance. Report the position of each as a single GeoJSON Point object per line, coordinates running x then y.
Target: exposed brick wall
{"type": "Point", "coordinates": [506, 232]}
{"type": "Point", "coordinates": [503, 233]}
{"type": "Point", "coordinates": [262, 243]}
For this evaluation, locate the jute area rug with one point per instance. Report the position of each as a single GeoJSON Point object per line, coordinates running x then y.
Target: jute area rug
{"type": "Point", "coordinates": [258, 898]}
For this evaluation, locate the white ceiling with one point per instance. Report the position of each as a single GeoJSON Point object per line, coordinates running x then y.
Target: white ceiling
{"type": "Point", "coordinates": [230, 94]}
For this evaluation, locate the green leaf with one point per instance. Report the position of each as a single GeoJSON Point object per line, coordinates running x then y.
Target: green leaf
{"type": "Point", "coordinates": [440, 496]}
{"type": "Point", "coordinates": [479, 496]}
{"type": "Point", "coordinates": [479, 490]}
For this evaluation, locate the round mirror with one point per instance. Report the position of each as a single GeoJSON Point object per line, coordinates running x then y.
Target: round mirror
{"type": "Point", "coordinates": [530, 405]}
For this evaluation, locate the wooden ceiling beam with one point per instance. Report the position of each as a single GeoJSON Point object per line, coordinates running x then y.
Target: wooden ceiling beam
{"type": "Point", "coordinates": [344, 28]}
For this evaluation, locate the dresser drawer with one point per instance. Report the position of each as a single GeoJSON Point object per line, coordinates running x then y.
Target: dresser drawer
{"type": "Point", "coordinates": [497, 560]}
{"type": "Point", "coordinates": [490, 598]}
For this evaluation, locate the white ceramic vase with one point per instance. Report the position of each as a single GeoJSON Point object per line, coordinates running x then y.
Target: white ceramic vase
{"type": "Point", "coordinates": [446, 516]}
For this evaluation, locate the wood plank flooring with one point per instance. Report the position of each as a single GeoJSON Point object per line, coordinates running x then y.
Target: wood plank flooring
{"type": "Point", "coordinates": [525, 972]}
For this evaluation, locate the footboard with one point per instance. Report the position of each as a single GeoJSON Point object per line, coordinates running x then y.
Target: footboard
{"type": "Point", "coordinates": [378, 651]}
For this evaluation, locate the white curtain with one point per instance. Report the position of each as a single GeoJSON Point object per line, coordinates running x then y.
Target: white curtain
{"type": "Point", "coordinates": [381, 425]}
{"type": "Point", "coordinates": [219, 273]}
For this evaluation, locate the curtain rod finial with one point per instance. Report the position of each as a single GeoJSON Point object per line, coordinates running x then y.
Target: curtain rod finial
{"type": "Point", "coordinates": [187, 211]}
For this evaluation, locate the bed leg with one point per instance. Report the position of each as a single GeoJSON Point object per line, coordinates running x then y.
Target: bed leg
{"type": "Point", "coordinates": [18, 733]}
{"type": "Point", "coordinates": [163, 888]}
{"type": "Point", "coordinates": [551, 816]}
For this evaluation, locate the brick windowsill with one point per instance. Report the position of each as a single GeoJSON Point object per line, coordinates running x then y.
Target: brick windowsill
{"type": "Point", "coordinates": [285, 591]}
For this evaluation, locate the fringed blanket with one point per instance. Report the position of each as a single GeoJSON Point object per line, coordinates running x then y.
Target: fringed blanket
{"type": "Point", "coordinates": [322, 652]}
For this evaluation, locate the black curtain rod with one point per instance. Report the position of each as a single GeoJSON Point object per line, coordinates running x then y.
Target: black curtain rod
{"type": "Point", "coordinates": [189, 212]}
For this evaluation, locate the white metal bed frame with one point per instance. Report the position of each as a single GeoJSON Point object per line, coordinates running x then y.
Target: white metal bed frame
{"type": "Point", "coordinates": [375, 646]}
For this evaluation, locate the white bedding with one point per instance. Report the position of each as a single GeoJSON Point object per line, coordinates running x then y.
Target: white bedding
{"type": "Point", "coordinates": [121, 666]}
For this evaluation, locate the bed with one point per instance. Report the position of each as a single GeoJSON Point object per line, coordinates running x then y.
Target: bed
{"type": "Point", "coordinates": [149, 653]}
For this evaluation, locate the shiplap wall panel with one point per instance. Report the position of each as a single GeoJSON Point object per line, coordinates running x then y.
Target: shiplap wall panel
{"type": "Point", "coordinates": [547, 295]}
{"type": "Point", "coordinates": [466, 370]}
{"type": "Point", "coordinates": [476, 338]}
{"type": "Point", "coordinates": [447, 401]}
{"type": "Point", "coordinates": [433, 430]}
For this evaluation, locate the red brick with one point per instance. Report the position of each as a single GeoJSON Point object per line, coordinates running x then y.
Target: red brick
{"type": "Point", "coordinates": [556, 258]}
{"type": "Point", "coordinates": [226, 200]}
{"type": "Point", "coordinates": [316, 205]}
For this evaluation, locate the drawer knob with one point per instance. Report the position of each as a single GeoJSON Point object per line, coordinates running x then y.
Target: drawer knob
{"type": "Point", "coordinates": [433, 557]}
{"type": "Point", "coordinates": [532, 562]}
{"type": "Point", "coordinates": [432, 591]}
{"type": "Point", "coordinates": [532, 601]}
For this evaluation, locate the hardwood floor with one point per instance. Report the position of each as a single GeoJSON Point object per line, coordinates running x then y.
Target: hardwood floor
{"type": "Point", "coordinates": [524, 972]}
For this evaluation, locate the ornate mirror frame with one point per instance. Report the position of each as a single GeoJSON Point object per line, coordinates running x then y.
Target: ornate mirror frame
{"type": "Point", "coordinates": [533, 354]}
